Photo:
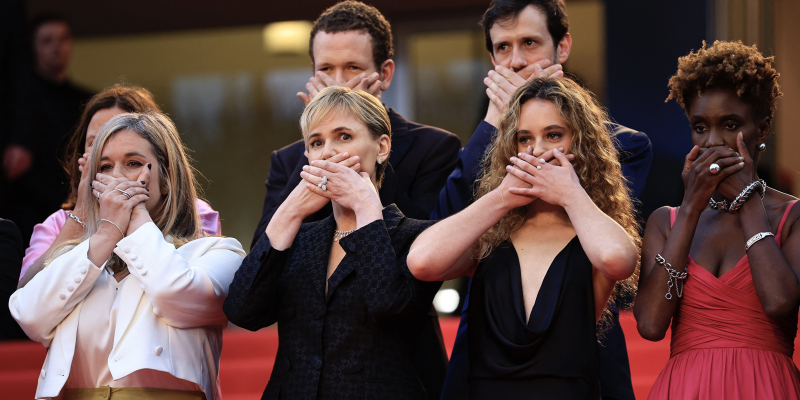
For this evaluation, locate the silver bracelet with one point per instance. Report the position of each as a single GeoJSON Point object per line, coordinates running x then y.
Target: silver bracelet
{"type": "Point", "coordinates": [112, 223]}
{"type": "Point", "coordinates": [76, 219]}
{"type": "Point", "coordinates": [755, 238]}
{"type": "Point", "coordinates": [675, 278]}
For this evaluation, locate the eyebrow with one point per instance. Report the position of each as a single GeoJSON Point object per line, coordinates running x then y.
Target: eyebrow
{"type": "Point", "coordinates": [127, 155]}
{"type": "Point", "coordinates": [554, 126]}
{"type": "Point", "coordinates": [729, 116]}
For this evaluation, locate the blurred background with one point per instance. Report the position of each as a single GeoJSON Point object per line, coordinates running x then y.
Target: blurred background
{"type": "Point", "coordinates": [227, 73]}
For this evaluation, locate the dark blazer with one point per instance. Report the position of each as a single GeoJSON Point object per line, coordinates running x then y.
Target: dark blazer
{"type": "Point", "coordinates": [11, 253]}
{"type": "Point", "coordinates": [422, 158]}
{"type": "Point", "coordinates": [358, 341]}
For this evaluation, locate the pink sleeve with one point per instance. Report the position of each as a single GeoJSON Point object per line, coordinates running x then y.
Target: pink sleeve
{"type": "Point", "coordinates": [209, 219]}
{"type": "Point", "coordinates": [43, 236]}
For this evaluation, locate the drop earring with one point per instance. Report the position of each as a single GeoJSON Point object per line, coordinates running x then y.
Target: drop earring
{"type": "Point", "coordinates": [762, 147]}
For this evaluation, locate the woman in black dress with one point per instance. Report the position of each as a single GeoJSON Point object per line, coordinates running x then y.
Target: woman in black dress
{"type": "Point", "coordinates": [545, 243]}
{"type": "Point", "coordinates": [349, 312]}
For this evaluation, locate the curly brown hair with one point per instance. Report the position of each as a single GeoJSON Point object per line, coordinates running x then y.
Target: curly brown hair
{"type": "Point", "coordinates": [727, 65]}
{"type": "Point", "coordinates": [356, 16]}
{"type": "Point", "coordinates": [596, 164]}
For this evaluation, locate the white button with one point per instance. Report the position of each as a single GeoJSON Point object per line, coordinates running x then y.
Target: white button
{"type": "Point", "coordinates": [159, 350]}
{"type": "Point", "coordinates": [70, 287]}
{"type": "Point", "coordinates": [77, 279]}
{"type": "Point", "coordinates": [141, 286]}
{"type": "Point", "coordinates": [42, 374]}
{"type": "Point", "coordinates": [82, 270]}
{"type": "Point", "coordinates": [126, 249]}
{"type": "Point", "coordinates": [144, 272]}
{"type": "Point", "coordinates": [138, 265]}
{"type": "Point", "coordinates": [62, 296]}
{"type": "Point", "coordinates": [133, 257]}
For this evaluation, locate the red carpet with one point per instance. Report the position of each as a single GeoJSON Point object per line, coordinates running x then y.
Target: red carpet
{"type": "Point", "coordinates": [247, 361]}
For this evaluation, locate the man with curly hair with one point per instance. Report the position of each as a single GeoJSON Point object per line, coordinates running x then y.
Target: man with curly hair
{"type": "Point", "coordinates": [733, 310]}
{"type": "Point", "coordinates": [351, 45]}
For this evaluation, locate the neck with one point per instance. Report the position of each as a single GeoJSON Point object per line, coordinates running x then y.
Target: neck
{"type": "Point", "coordinates": [541, 213]}
{"type": "Point", "coordinates": [345, 218]}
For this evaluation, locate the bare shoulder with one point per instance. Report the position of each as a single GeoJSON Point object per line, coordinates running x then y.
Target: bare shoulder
{"type": "Point", "coordinates": [660, 220]}
{"type": "Point", "coordinates": [778, 202]}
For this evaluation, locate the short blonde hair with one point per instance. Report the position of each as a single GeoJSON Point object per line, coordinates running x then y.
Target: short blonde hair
{"type": "Point", "coordinates": [363, 106]}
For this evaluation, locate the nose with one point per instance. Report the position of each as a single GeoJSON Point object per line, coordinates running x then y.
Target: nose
{"type": "Point", "coordinates": [714, 138]}
{"type": "Point", "coordinates": [518, 62]}
{"type": "Point", "coordinates": [539, 148]}
{"type": "Point", "coordinates": [328, 151]}
{"type": "Point", "coordinates": [340, 77]}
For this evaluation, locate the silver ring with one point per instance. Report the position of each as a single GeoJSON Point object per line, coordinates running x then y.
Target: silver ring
{"type": "Point", "coordinates": [714, 168]}
{"type": "Point", "coordinates": [324, 188]}
{"type": "Point", "coordinates": [128, 195]}
{"type": "Point", "coordinates": [98, 195]}
{"type": "Point", "coordinates": [538, 167]}
{"type": "Point", "coordinates": [541, 160]}
{"type": "Point", "coordinates": [324, 179]}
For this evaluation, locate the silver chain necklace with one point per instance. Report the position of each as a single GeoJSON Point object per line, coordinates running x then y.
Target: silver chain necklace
{"type": "Point", "coordinates": [340, 234]}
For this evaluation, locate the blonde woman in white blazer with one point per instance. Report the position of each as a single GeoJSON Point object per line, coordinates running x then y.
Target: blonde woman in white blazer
{"type": "Point", "coordinates": [133, 309]}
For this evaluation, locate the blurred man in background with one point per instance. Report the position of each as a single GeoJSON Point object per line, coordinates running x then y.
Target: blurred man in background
{"type": "Point", "coordinates": [36, 182]}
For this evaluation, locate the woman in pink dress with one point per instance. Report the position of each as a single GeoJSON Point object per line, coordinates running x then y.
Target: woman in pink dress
{"type": "Point", "coordinates": [723, 267]}
{"type": "Point", "coordinates": [67, 223]}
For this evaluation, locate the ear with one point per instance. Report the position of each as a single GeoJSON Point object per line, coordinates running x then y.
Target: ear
{"type": "Point", "coordinates": [764, 128]}
{"type": "Point", "coordinates": [494, 62]}
{"type": "Point", "coordinates": [384, 147]}
{"type": "Point", "coordinates": [563, 48]}
{"type": "Point", "coordinates": [387, 72]}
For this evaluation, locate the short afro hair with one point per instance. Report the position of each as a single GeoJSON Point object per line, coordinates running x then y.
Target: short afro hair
{"type": "Point", "coordinates": [727, 65]}
{"type": "Point", "coordinates": [356, 16]}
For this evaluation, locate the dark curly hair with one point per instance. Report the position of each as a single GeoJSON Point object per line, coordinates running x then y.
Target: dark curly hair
{"type": "Point", "coordinates": [356, 16]}
{"type": "Point", "coordinates": [727, 65]}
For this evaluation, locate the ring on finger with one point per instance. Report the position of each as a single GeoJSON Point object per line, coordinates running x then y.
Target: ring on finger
{"type": "Point", "coordinates": [128, 195]}
{"type": "Point", "coordinates": [98, 194]}
{"type": "Point", "coordinates": [324, 179]}
{"type": "Point", "coordinates": [541, 160]}
{"type": "Point", "coordinates": [323, 187]}
{"type": "Point", "coordinates": [714, 168]}
{"type": "Point", "coordinates": [538, 167]}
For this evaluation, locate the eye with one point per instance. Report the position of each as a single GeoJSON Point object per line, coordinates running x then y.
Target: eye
{"type": "Point", "coordinates": [731, 126]}
{"type": "Point", "coordinates": [134, 164]}
{"type": "Point", "coordinates": [529, 42]}
{"type": "Point", "coordinates": [554, 136]}
{"type": "Point", "coordinates": [524, 139]}
{"type": "Point", "coordinates": [316, 143]}
{"type": "Point", "coordinates": [346, 136]}
{"type": "Point", "coordinates": [700, 129]}
{"type": "Point", "coordinates": [355, 67]}
{"type": "Point", "coordinates": [105, 167]}
{"type": "Point", "coordinates": [502, 47]}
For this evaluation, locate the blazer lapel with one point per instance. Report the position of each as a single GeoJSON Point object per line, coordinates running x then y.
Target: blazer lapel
{"type": "Point", "coordinates": [315, 262]}
{"type": "Point", "coordinates": [401, 140]}
{"type": "Point", "coordinates": [391, 219]}
{"type": "Point", "coordinates": [131, 296]}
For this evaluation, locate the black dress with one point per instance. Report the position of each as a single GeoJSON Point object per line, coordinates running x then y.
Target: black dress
{"type": "Point", "coordinates": [555, 354]}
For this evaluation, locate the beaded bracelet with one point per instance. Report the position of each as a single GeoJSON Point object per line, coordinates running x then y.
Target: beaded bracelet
{"type": "Point", "coordinates": [674, 276]}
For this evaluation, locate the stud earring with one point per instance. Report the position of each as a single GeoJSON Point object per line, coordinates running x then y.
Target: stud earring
{"type": "Point", "coordinates": [380, 161]}
{"type": "Point", "coordinates": [762, 147]}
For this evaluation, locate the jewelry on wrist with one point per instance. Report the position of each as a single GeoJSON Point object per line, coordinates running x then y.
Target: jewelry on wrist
{"type": "Point", "coordinates": [760, 186]}
{"type": "Point", "coordinates": [676, 278]}
{"type": "Point", "coordinates": [76, 219]}
{"type": "Point", "coordinates": [337, 235]}
{"type": "Point", "coordinates": [756, 238]}
{"type": "Point", "coordinates": [112, 223]}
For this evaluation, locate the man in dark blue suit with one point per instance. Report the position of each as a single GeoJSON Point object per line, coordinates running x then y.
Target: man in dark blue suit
{"type": "Point", "coordinates": [528, 39]}
{"type": "Point", "coordinates": [351, 45]}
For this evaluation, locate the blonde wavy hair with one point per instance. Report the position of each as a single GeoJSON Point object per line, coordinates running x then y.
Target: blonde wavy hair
{"type": "Point", "coordinates": [596, 164]}
{"type": "Point", "coordinates": [175, 215]}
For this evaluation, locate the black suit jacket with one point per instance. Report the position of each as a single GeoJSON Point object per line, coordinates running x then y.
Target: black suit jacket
{"type": "Point", "coordinates": [11, 253]}
{"type": "Point", "coordinates": [358, 341]}
{"type": "Point", "coordinates": [422, 158]}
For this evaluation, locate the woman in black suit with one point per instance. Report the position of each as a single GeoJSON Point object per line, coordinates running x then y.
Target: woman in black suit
{"type": "Point", "coordinates": [350, 312]}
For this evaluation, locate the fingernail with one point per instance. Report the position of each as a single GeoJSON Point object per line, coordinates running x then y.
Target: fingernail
{"type": "Point", "coordinates": [741, 158]}
{"type": "Point", "coordinates": [556, 151]}
{"type": "Point", "coordinates": [519, 154]}
{"type": "Point", "coordinates": [560, 149]}
{"type": "Point", "coordinates": [514, 158]}
{"type": "Point", "coordinates": [142, 182]}
{"type": "Point", "coordinates": [741, 163]}
{"type": "Point", "coordinates": [149, 166]}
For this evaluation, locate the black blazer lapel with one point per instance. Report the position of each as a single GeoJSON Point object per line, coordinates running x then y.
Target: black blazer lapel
{"type": "Point", "coordinates": [401, 140]}
{"type": "Point", "coordinates": [317, 240]}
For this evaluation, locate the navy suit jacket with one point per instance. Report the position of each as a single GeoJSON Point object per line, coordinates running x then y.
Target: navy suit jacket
{"type": "Point", "coordinates": [358, 340]}
{"type": "Point", "coordinates": [635, 155]}
{"type": "Point", "coordinates": [421, 159]}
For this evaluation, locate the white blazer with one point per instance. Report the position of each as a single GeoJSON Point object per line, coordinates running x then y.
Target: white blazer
{"type": "Point", "coordinates": [176, 327]}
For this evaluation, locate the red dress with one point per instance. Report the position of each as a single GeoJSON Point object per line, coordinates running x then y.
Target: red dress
{"type": "Point", "coordinates": [723, 344]}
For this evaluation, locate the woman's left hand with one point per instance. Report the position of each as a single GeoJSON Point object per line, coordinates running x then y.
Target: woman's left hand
{"type": "Point", "coordinates": [349, 188]}
{"type": "Point", "coordinates": [734, 184]}
{"type": "Point", "coordinates": [552, 183]}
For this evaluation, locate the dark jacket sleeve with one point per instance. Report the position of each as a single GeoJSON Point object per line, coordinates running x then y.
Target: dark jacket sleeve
{"type": "Point", "coordinates": [635, 155]}
{"type": "Point", "coordinates": [276, 182]}
{"type": "Point", "coordinates": [420, 201]}
{"type": "Point", "coordinates": [252, 301]}
{"type": "Point", "coordinates": [391, 290]}
{"type": "Point", "coordinates": [458, 191]}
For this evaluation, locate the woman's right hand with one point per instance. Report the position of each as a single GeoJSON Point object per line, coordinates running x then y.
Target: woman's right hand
{"type": "Point", "coordinates": [115, 206]}
{"type": "Point", "coordinates": [698, 181]}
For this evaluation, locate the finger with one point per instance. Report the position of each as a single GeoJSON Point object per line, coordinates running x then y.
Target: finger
{"type": "Point", "coordinates": [312, 179]}
{"type": "Point", "coordinates": [531, 160]}
{"type": "Point", "coordinates": [325, 79]}
{"type": "Point", "coordinates": [317, 83]}
{"type": "Point", "coordinates": [99, 186]}
{"type": "Point", "coordinates": [375, 88]}
{"type": "Point", "coordinates": [339, 157]}
{"type": "Point", "coordinates": [356, 80]}
{"type": "Point", "coordinates": [515, 78]}
{"type": "Point", "coordinates": [316, 190]}
{"type": "Point", "coordinates": [496, 101]}
{"type": "Point", "coordinates": [105, 179]}
{"type": "Point", "coordinates": [312, 90]}
{"type": "Point", "coordinates": [144, 175]}
{"type": "Point", "coordinates": [729, 161]}
{"type": "Point", "coordinates": [96, 194]}
{"type": "Point", "coordinates": [742, 148]}
{"type": "Point", "coordinates": [527, 192]}
{"type": "Point", "coordinates": [135, 200]}
{"type": "Point", "coordinates": [561, 158]}
{"type": "Point", "coordinates": [133, 191]}
{"type": "Point", "coordinates": [502, 82]}
{"type": "Point", "coordinates": [318, 172]}
{"type": "Point", "coordinates": [327, 166]}
{"type": "Point", "coordinates": [726, 172]}
{"type": "Point", "coordinates": [305, 97]}
{"type": "Point", "coordinates": [552, 70]}
{"type": "Point", "coordinates": [350, 162]}
{"type": "Point", "coordinates": [523, 165]}
{"type": "Point", "coordinates": [520, 174]}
